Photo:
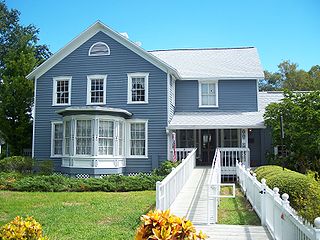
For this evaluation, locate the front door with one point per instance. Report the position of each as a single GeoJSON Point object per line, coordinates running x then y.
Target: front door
{"type": "Point", "coordinates": [208, 146]}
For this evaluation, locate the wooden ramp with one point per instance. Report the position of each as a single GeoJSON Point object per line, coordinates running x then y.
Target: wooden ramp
{"type": "Point", "coordinates": [191, 203]}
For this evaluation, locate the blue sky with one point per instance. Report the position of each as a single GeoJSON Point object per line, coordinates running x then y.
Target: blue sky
{"type": "Point", "coordinates": [280, 29]}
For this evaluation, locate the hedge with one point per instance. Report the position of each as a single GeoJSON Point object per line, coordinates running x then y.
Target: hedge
{"type": "Point", "coordinates": [303, 190]}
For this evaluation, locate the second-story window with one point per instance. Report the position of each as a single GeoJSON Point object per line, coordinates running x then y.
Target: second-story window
{"type": "Point", "coordinates": [138, 87]}
{"type": "Point", "coordinates": [96, 89]}
{"type": "Point", "coordinates": [61, 91]}
{"type": "Point", "coordinates": [208, 94]}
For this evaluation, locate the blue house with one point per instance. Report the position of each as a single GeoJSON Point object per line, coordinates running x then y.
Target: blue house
{"type": "Point", "coordinates": [104, 105]}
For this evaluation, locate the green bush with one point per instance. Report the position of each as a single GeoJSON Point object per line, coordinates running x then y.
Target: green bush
{"type": "Point", "coordinates": [165, 168]}
{"type": "Point", "coordinates": [16, 164]}
{"type": "Point", "coordinates": [59, 183]}
{"type": "Point", "coordinates": [46, 167]}
{"type": "Point", "coordinates": [304, 191]}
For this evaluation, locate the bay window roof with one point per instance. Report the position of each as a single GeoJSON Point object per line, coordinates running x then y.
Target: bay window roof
{"type": "Point", "coordinates": [91, 110]}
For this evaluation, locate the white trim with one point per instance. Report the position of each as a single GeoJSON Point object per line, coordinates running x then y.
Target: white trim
{"type": "Point", "coordinates": [168, 96]}
{"type": "Point", "coordinates": [34, 116]}
{"type": "Point", "coordinates": [104, 54]}
{"type": "Point", "coordinates": [216, 93]}
{"type": "Point", "coordinates": [258, 95]}
{"type": "Point", "coordinates": [146, 86]}
{"type": "Point", "coordinates": [219, 78]}
{"type": "Point", "coordinates": [89, 79]}
{"type": "Point", "coordinates": [86, 35]}
{"type": "Point", "coordinates": [52, 155]}
{"type": "Point", "coordinates": [128, 139]}
{"type": "Point", "coordinates": [54, 90]}
{"type": "Point", "coordinates": [178, 127]}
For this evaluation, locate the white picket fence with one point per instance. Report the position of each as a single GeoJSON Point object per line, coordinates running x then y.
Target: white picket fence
{"type": "Point", "coordinates": [275, 213]}
{"type": "Point", "coordinates": [168, 189]}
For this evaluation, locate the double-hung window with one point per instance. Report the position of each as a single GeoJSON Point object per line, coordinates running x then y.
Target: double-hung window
{"type": "Point", "coordinates": [84, 137]}
{"type": "Point", "coordinates": [67, 137]}
{"type": "Point", "coordinates": [106, 136]}
{"type": "Point", "coordinates": [61, 91]}
{"type": "Point", "coordinates": [208, 94]}
{"type": "Point", "coordinates": [96, 89]}
{"type": "Point", "coordinates": [138, 87]}
{"type": "Point", "coordinates": [138, 139]}
{"type": "Point", "coordinates": [56, 139]}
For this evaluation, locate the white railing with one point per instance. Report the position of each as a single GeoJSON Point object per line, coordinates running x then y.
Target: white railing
{"type": "Point", "coordinates": [214, 183]}
{"type": "Point", "coordinates": [229, 156]}
{"type": "Point", "coordinates": [182, 153]}
{"type": "Point", "coordinates": [275, 213]}
{"type": "Point", "coordinates": [168, 189]}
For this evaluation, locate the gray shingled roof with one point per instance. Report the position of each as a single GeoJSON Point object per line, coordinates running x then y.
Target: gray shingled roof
{"type": "Point", "coordinates": [218, 63]}
{"type": "Point", "coordinates": [220, 120]}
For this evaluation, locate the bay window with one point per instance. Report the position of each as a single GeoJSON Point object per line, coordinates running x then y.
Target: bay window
{"type": "Point", "coordinates": [106, 137]}
{"type": "Point", "coordinates": [83, 137]}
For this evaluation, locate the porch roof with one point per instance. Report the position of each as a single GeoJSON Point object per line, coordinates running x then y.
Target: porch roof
{"type": "Point", "coordinates": [216, 120]}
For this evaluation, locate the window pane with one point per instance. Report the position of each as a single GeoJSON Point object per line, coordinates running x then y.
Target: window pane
{"type": "Point", "coordinates": [204, 88]}
{"type": "Point", "coordinates": [212, 88]}
{"type": "Point", "coordinates": [83, 137]}
{"type": "Point", "coordinates": [67, 137]}
{"type": "Point", "coordinates": [97, 90]}
{"type": "Point", "coordinates": [62, 91]}
{"type": "Point", "coordinates": [57, 138]}
{"type": "Point", "coordinates": [205, 100]}
{"type": "Point", "coordinates": [137, 141]}
{"type": "Point", "coordinates": [138, 89]}
{"type": "Point", "coordinates": [212, 100]}
{"type": "Point", "coordinates": [106, 137]}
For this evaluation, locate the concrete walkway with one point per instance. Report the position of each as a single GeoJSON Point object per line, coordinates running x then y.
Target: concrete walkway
{"type": "Point", "coordinates": [191, 203]}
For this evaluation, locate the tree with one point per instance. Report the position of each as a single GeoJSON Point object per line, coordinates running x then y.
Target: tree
{"type": "Point", "coordinates": [301, 118]}
{"type": "Point", "coordinates": [19, 55]}
{"type": "Point", "coordinates": [291, 78]}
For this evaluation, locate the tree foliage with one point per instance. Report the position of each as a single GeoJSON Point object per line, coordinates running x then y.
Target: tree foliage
{"type": "Point", "coordinates": [301, 118]}
{"type": "Point", "coordinates": [291, 78]}
{"type": "Point", "coordinates": [20, 53]}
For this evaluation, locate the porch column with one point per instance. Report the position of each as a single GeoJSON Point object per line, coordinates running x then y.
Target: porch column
{"type": "Point", "coordinates": [244, 137]}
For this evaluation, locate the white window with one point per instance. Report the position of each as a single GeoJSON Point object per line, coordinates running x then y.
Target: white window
{"type": "Point", "coordinates": [96, 89]}
{"type": "Point", "coordinates": [83, 137]}
{"type": "Point", "coordinates": [121, 138]}
{"type": "Point", "coordinates": [99, 49]}
{"type": "Point", "coordinates": [208, 94]}
{"type": "Point", "coordinates": [61, 91]}
{"type": "Point", "coordinates": [138, 87]}
{"type": "Point", "coordinates": [67, 137]}
{"type": "Point", "coordinates": [106, 137]}
{"type": "Point", "coordinates": [56, 139]}
{"type": "Point", "coordinates": [138, 139]}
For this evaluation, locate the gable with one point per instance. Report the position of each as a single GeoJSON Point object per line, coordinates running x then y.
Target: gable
{"type": "Point", "coordinates": [84, 37]}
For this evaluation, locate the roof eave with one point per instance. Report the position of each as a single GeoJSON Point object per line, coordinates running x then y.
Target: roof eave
{"type": "Point", "coordinates": [199, 126]}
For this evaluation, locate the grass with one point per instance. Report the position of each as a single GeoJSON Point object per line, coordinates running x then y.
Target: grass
{"type": "Point", "coordinates": [72, 215]}
{"type": "Point", "coordinates": [236, 211]}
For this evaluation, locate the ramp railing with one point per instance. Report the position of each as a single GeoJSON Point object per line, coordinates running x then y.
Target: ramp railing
{"type": "Point", "coordinates": [168, 189]}
{"type": "Point", "coordinates": [274, 211]}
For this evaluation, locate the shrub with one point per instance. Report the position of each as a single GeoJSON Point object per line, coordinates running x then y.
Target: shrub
{"type": "Point", "coordinates": [165, 168]}
{"type": "Point", "coordinates": [22, 229]}
{"type": "Point", "coordinates": [163, 225]}
{"type": "Point", "coordinates": [16, 164]}
{"type": "Point", "coordinates": [304, 191]}
{"type": "Point", "coordinates": [8, 179]}
{"type": "Point", "coordinates": [46, 167]}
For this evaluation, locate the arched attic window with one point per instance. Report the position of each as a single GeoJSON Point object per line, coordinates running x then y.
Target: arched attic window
{"type": "Point", "coordinates": [99, 49]}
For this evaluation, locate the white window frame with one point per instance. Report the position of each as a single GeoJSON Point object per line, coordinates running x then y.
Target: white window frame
{"type": "Point", "coordinates": [101, 54]}
{"type": "Point", "coordinates": [146, 86]}
{"type": "Point", "coordinates": [54, 90]}
{"type": "Point", "coordinates": [200, 95]}
{"type": "Point", "coordinates": [114, 145]}
{"type": "Point", "coordinates": [89, 79]}
{"type": "Point", "coordinates": [76, 137]}
{"type": "Point", "coordinates": [128, 139]}
{"type": "Point", "coordinates": [53, 123]}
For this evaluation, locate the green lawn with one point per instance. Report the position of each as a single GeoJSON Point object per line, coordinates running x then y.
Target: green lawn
{"type": "Point", "coordinates": [72, 215]}
{"type": "Point", "coordinates": [236, 210]}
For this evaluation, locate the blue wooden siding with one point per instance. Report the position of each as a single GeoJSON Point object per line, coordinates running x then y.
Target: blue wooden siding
{"type": "Point", "coordinates": [120, 62]}
{"type": "Point", "coordinates": [233, 95]}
